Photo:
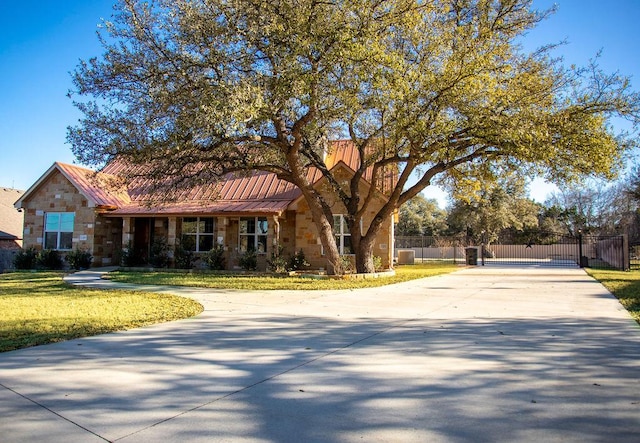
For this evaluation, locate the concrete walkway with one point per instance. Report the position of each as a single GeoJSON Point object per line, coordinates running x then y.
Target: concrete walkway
{"type": "Point", "coordinates": [485, 354]}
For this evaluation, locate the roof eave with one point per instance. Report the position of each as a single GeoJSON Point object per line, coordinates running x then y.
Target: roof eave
{"type": "Point", "coordinates": [56, 166]}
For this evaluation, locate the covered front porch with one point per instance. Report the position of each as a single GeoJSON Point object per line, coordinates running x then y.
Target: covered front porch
{"type": "Point", "coordinates": [158, 240]}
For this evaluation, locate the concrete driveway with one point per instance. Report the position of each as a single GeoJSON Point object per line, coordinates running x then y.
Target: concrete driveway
{"type": "Point", "coordinates": [486, 354]}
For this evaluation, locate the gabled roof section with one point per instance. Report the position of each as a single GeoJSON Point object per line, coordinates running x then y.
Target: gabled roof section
{"type": "Point", "coordinates": [101, 190]}
{"type": "Point", "coordinates": [345, 151]}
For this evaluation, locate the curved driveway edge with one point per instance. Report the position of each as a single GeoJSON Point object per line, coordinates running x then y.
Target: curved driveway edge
{"type": "Point", "coordinates": [484, 354]}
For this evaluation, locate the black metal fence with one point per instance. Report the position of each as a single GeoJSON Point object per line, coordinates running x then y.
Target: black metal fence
{"type": "Point", "coordinates": [546, 249]}
{"type": "Point", "coordinates": [634, 257]}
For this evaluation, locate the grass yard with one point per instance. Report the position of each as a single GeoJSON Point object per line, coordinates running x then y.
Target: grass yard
{"type": "Point", "coordinates": [277, 282]}
{"type": "Point", "coordinates": [624, 285]}
{"type": "Point", "coordinates": [39, 308]}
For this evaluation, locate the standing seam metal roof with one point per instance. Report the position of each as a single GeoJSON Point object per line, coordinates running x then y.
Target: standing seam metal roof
{"type": "Point", "coordinates": [257, 192]}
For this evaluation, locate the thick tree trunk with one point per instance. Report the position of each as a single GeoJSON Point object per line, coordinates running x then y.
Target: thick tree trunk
{"type": "Point", "coordinates": [363, 246]}
{"type": "Point", "coordinates": [320, 211]}
{"type": "Point", "coordinates": [364, 256]}
{"type": "Point", "coordinates": [325, 231]}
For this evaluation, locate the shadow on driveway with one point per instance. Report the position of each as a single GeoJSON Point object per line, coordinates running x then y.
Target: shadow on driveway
{"type": "Point", "coordinates": [441, 367]}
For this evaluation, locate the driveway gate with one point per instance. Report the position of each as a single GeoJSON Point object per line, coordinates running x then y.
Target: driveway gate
{"type": "Point", "coordinates": [542, 249]}
{"type": "Point", "coordinates": [560, 251]}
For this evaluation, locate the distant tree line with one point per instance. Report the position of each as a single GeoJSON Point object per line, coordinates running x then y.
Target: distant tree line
{"type": "Point", "coordinates": [502, 209]}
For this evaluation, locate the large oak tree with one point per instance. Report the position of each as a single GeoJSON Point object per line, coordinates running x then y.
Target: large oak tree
{"type": "Point", "coordinates": [436, 89]}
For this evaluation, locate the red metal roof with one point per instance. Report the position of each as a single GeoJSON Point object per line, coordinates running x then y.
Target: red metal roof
{"type": "Point", "coordinates": [100, 188]}
{"type": "Point", "coordinates": [235, 193]}
{"type": "Point", "coordinates": [257, 192]}
{"type": "Point", "coordinates": [344, 151]}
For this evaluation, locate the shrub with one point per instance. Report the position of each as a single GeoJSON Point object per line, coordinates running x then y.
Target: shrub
{"type": "Point", "coordinates": [25, 259]}
{"type": "Point", "coordinates": [49, 259]}
{"type": "Point", "coordinates": [215, 258]}
{"type": "Point", "coordinates": [129, 257]}
{"type": "Point", "coordinates": [347, 264]}
{"type": "Point", "coordinates": [159, 254]}
{"type": "Point", "coordinates": [277, 263]}
{"type": "Point", "coordinates": [185, 257]}
{"type": "Point", "coordinates": [377, 263]}
{"type": "Point", "coordinates": [79, 259]}
{"type": "Point", "coordinates": [298, 261]}
{"type": "Point", "coordinates": [249, 260]}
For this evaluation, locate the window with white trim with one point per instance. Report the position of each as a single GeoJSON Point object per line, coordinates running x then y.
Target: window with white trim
{"type": "Point", "coordinates": [198, 233]}
{"type": "Point", "coordinates": [58, 230]}
{"type": "Point", "coordinates": [342, 234]}
{"type": "Point", "coordinates": [252, 235]}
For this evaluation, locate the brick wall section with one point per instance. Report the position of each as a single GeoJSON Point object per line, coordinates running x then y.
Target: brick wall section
{"type": "Point", "coordinates": [307, 235]}
{"type": "Point", "coordinates": [288, 233]}
{"type": "Point", "coordinates": [57, 194]}
{"type": "Point", "coordinates": [107, 241]}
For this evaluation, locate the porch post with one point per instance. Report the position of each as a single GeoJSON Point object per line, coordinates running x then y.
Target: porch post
{"type": "Point", "coordinates": [171, 236]}
{"type": "Point", "coordinates": [276, 231]}
{"type": "Point", "coordinates": [127, 232]}
{"type": "Point", "coordinates": [221, 231]}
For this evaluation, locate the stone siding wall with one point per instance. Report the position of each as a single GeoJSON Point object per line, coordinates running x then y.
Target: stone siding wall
{"type": "Point", "coordinates": [308, 240]}
{"type": "Point", "coordinates": [57, 194]}
{"type": "Point", "coordinates": [107, 241]}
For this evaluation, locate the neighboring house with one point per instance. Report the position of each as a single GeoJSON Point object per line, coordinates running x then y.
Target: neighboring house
{"type": "Point", "coordinates": [11, 225]}
{"type": "Point", "coordinates": [72, 207]}
{"type": "Point", "coordinates": [11, 220]}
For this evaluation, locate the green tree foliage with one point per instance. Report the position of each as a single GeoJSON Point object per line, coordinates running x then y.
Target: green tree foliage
{"type": "Point", "coordinates": [443, 88]}
{"type": "Point", "coordinates": [496, 207]}
{"type": "Point", "coordinates": [421, 216]}
{"type": "Point", "coordinates": [594, 207]}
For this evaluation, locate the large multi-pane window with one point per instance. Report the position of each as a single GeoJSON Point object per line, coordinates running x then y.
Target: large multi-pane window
{"type": "Point", "coordinates": [58, 230]}
{"type": "Point", "coordinates": [342, 234]}
{"type": "Point", "coordinates": [197, 233]}
{"type": "Point", "coordinates": [253, 234]}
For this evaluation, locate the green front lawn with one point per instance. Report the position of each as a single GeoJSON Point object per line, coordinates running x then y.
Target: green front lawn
{"type": "Point", "coordinates": [624, 285]}
{"type": "Point", "coordinates": [277, 282]}
{"type": "Point", "coordinates": [39, 308]}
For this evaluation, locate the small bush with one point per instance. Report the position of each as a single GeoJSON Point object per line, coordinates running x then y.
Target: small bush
{"type": "Point", "coordinates": [215, 258]}
{"type": "Point", "coordinates": [249, 260]}
{"type": "Point", "coordinates": [347, 264]}
{"type": "Point", "coordinates": [377, 263]}
{"type": "Point", "coordinates": [129, 257]}
{"type": "Point", "coordinates": [79, 259]}
{"type": "Point", "coordinates": [49, 259]}
{"type": "Point", "coordinates": [25, 259]}
{"type": "Point", "coordinates": [298, 261]}
{"type": "Point", "coordinates": [277, 263]}
{"type": "Point", "coordinates": [159, 254]}
{"type": "Point", "coordinates": [185, 257]}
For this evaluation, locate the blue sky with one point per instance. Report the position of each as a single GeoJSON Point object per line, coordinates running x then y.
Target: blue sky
{"type": "Point", "coordinates": [42, 41]}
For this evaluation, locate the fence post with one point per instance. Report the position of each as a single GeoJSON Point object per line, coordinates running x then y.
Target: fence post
{"type": "Point", "coordinates": [483, 242]}
{"type": "Point", "coordinates": [580, 261]}
{"type": "Point", "coordinates": [626, 258]}
{"type": "Point", "coordinates": [455, 247]}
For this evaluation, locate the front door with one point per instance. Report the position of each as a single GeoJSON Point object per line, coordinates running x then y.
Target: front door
{"type": "Point", "coordinates": [142, 239]}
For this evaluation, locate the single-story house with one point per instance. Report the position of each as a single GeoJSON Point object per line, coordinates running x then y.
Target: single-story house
{"type": "Point", "coordinates": [71, 207]}
{"type": "Point", "coordinates": [11, 220]}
